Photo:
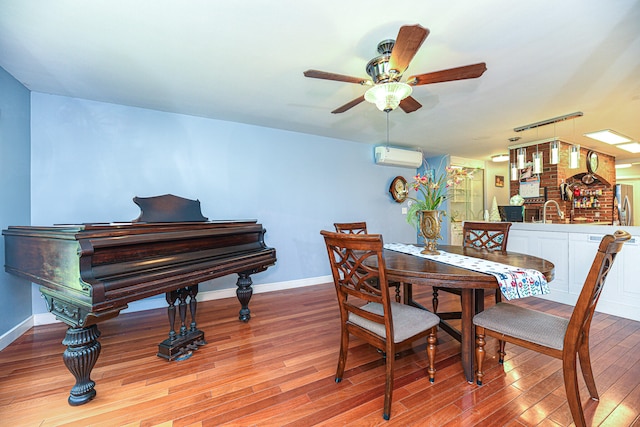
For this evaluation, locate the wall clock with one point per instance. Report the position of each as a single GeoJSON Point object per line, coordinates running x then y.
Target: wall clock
{"type": "Point", "coordinates": [592, 162]}
{"type": "Point", "coordinates": [399, 189]}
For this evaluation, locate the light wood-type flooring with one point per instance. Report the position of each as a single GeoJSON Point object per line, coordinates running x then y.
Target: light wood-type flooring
{"type": "Point", "coordinates": [278, 370]}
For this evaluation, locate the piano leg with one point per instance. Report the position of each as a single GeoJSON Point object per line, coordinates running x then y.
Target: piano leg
{"type": "Point", "coordinates": [83, 349]}
{"type": "Point", "coordinates": [244, 293]}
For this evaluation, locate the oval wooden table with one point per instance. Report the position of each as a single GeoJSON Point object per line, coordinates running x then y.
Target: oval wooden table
{"type": "Point", "coordinates": [413, 270]}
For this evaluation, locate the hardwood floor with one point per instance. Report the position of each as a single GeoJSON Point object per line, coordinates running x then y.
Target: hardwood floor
{"type": "Point", "coordinates": [278, 370]}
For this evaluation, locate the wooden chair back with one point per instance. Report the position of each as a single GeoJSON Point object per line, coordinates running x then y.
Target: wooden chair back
{"type": "Point", "coordinates": [580, 320]}
{"type": "Point", "coordinates": [351, 227]}
{"type": "Point", "coordinates": [491, 236]}
{"type": "Point", "coordinates": [356, 283]}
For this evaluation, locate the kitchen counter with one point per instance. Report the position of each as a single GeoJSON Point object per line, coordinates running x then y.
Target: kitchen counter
{"type": "Point", "coordinates": [587, 227]}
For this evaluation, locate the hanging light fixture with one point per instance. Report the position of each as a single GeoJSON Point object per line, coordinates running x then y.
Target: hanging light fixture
{"type": "Point", "coordinates": [387, 96]}
{"type": "Point", "coordinates": [514, 169]}
{"type": "Point", "coordinates": [537, 161]}
{"type": "Point", "coordinates": [554, 152]}
{"type": "Point", "coordinates": [522, 157]}
{"type": "Point", "coordinates": [574, 157]}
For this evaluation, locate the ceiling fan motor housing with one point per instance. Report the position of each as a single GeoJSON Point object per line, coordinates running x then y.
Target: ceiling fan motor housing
{"type": "Point", "coordinates": [378, 68]}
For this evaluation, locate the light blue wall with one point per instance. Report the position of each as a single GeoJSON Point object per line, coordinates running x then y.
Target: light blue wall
{"type": "Point", "coordinates": [89, 159]}
{"type": "Point", "coordinates": [14, 191]}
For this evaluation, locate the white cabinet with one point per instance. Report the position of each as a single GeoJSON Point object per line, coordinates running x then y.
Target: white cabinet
{"type": "Point", "coordinates": [572, 249]}
{"type": "Point", "coordinates": [553, 247]}
{"type": "Point", "coordinates": [621, 293]}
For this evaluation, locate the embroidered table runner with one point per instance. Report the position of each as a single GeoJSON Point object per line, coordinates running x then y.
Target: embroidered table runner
{"type": "Point", "coordinates": [514, 282]}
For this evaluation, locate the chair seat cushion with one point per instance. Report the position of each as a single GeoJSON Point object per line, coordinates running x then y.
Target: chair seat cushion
{"type": "Point", "coordinates": [519, 322]}
{"type": "Point", "coordinates": [407, 320]}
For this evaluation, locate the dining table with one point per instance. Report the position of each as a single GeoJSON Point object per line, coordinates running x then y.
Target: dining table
{"type": "Point", "coordinates": [410, 270]}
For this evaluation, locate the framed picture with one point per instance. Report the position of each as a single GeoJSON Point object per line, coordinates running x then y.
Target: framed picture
{"type": "Point", "coordinates": [499, 181]}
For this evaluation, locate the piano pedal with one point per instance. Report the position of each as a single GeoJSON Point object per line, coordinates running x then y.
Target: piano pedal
{"type": "Point", "coordinates": [184, 355]}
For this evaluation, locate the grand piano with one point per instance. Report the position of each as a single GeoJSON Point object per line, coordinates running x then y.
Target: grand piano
{"type": "Point", "coordinates": [89, 272]}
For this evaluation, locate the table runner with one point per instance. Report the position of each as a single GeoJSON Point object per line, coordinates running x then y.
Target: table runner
{"type": "Point", "coordinates": [514, 282]}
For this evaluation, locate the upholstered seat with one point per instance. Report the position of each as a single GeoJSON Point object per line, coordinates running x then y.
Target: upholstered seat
{"type": "Point", "coordinates": [366, 310]}
{"type": "Point", "coordinates": [564, 339]}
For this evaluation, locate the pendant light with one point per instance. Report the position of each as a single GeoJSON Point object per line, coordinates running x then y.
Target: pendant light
{"type": "Point", "coordinates": [537, 162]}
{"type": "Point", "coordinates": [574, 157]}
{"type": "Point", "coordinates": [514, 171]}
{"type": "Point", "coordinates": [513, 167]}
{"type": "Point", "coordinates": [522, 157]}
{"type": "Point", "coordinates": [554, 152]}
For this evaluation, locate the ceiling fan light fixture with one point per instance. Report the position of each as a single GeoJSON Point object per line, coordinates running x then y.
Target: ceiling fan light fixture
{"type": "Point", "coordinates": [387, 96]}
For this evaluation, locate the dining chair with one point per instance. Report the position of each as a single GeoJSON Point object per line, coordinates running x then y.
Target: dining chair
{"type": "Point", "coordinates": [555, 336]}
{"type": "Point", "coordinates": [361, 228]}
{"type": "Point", "coordinates": [351, 227]}
{"type": "Point", "coordinates": [490, 236]}
{"type": "Point", "coordinates": [367, 312]}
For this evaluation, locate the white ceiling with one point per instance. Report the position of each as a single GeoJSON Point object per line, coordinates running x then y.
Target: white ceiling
{"type": "Point", "coordinates": [243, 61]}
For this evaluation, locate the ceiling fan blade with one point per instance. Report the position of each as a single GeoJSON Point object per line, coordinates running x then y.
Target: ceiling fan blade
{"type": "Point", "coordinates": [459, 73]}
{"type": "Point", "coordinates": [409, 104]}
{"type": "Point", "coordinates": [409, 40]}
{"type": "Point", "coordinates": [348, 105]}
{"type": "Point", "coordinates": [315, 74]}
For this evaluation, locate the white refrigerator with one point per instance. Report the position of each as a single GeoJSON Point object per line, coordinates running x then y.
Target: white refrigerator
{"type": "Point", "coordinates": [624, 203]}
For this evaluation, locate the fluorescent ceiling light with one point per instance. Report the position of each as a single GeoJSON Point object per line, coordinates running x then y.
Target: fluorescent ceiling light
{"type": "Point", "coordinates": [500, 158]}
{"type": "Point", "coordinates": [634, 147]}
{"type": "Point", "coordinates": [608, 136]}
{"type": "Point", "coordinates": [623, 165]}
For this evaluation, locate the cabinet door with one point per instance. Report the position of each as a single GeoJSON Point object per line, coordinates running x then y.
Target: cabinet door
{"type": "Point", "coordinates": [582, 250]}
{"type": "Point", "coordinates": [550, 246]}
{"type": "Point", "coordinates": [621, 293]}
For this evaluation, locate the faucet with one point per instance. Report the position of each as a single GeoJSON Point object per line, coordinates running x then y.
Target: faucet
{"type": "Point", "coordinates": [544, 210]}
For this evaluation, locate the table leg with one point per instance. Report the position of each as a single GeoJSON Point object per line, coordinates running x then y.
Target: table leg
{"type": "Point", "coordinates": [468, 335]}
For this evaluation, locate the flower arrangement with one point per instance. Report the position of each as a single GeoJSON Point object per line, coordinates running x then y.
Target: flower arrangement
{"type": "Point", "coordinates": [434, 191]}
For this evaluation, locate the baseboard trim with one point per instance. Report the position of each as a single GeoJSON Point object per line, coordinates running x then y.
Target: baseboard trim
{"type": "Point", "coordinates": [159, 302]}
{"type": "Point", "coordinates": [15, 332]}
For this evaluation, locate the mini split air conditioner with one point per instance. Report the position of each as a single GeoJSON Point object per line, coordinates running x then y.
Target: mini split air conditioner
{"type": "Point", "coordinates": [398, 157]}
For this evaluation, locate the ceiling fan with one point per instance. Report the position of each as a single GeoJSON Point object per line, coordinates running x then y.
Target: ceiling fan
{"type": "Point", "coordinates": [387, 91]}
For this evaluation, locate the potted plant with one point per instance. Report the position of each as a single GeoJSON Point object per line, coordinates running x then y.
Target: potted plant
{"type": "Point", "coordinates": [432, 192]}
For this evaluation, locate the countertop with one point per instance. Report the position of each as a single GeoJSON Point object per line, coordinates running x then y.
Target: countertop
{"type": "Point", "coordinates": [593, 228]}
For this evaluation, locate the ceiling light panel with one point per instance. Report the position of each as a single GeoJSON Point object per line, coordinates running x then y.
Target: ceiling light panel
{"type": "Point", "coordinates": [608, 136]}
{"type": "Point", "coordinates": [634, 147]}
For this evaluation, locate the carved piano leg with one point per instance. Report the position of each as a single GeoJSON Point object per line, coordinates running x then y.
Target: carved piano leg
{"type": "Point", "coordinates": [171, 298]}
{"type": "Point", "coordinates": [182, 294]}
{"type": "Point", "coordinates": [83, 349]}
{"type": "Point", "coordinates": [244, 293]}
{"type": "Point", "coordinates": [180, 345]}
{"type": "Point", "coordinates": [193, 306]}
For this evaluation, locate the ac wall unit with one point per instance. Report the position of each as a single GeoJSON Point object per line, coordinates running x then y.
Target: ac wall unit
{"type": "Point", "coordinates": [398, 157]}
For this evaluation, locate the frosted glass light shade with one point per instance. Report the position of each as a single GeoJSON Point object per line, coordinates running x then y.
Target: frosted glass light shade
{"type": "Point", "coordinates": [574, 157]}
{"type": "Point", "coordinates": [387, 96]}
{"type": "Point", "coordinates": [514, 172]}
{"type": "Point", "coordinates": [537, 162]}
{"type": "Point", "coordinates": [554, 152]}
{"type": "Point", "coordinates": [522, 157]}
